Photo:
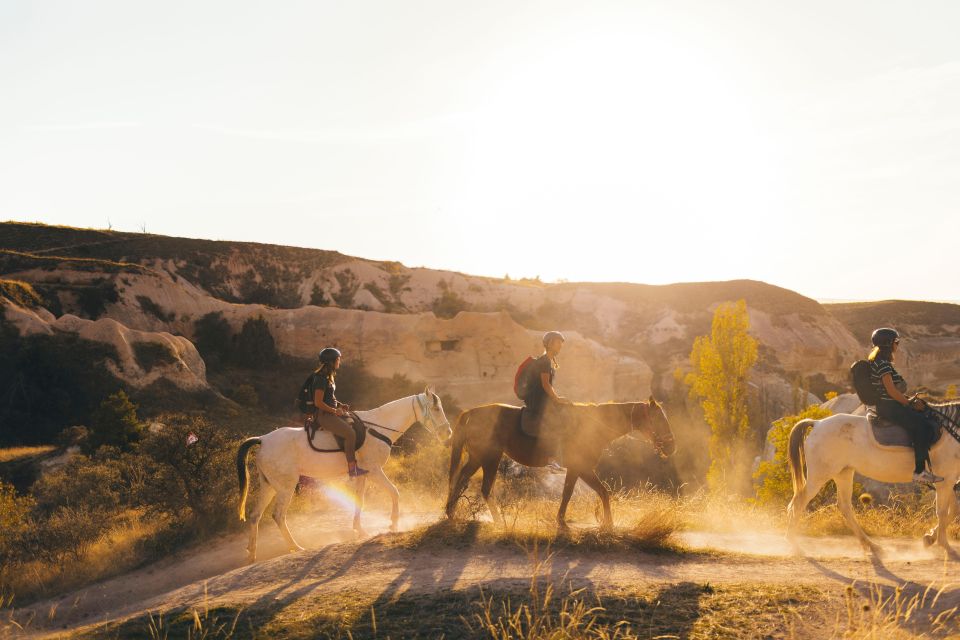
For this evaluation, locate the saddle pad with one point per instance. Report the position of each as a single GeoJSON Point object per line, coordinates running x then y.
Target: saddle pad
{"type": "Point", "coordinates": [890, 434]}
{"type": "Point", "coordinates": [325, 441]}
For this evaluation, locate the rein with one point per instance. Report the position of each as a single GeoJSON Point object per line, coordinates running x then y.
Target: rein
{"type": "Point", "coordinates": [949, 424]}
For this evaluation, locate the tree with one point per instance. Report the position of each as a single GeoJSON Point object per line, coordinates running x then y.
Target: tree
{"type": "Point", "coordinates": [255, 345]}
{"type": "Point", "coordinates": [212, 336]}
{"type": "Point", "coordinates": [114, 423]}
{"type": "Point", "coordinates": [722, 363]}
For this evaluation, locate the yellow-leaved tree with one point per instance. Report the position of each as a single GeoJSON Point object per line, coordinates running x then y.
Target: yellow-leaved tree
{"type": "Point", "coordinates": [721, 367]}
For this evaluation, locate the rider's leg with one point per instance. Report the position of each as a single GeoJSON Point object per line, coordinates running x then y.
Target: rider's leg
{"type": "Point", "coordinates": [339, 427]}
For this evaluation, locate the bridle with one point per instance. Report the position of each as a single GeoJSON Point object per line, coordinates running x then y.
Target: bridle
{"type": "Point", "coordinates": [646, 426]}
{"type": "Point", "coordinates": [425, 409]}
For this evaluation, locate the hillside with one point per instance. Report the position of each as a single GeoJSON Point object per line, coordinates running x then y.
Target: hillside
{"type": "Point", "coordinates": [463, 333]}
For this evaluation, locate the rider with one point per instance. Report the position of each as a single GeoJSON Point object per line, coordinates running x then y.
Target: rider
{"type": "Point", "coordinates": [894, 406]}
{"type": "Point", "coordinates": [330, 412]}
{"type": "Point", "coordinates": [541, 391]}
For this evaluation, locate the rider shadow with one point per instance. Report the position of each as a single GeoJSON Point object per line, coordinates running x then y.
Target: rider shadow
{"type": "Point", "coordinates": [886, 603]}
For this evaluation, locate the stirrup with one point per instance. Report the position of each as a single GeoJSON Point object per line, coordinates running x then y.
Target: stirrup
{"type": "Point", "coordinates": [554, 467]}
{"type": "Point", "coordinates": [926, 477]}
{"type": "Point", "coordinates": [356, 472]}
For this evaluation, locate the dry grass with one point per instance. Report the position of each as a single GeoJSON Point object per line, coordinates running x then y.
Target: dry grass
{"type": "Point", "coordinates": [118, 552]}
{"type": "Point", "coordinates": [11, 454]}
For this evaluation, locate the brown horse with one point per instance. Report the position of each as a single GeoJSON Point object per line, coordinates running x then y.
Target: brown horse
{"type": "Point", "coordinates": [489, 431]}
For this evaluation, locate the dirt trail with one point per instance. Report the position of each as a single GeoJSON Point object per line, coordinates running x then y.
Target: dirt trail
{"type": "Point", "coordinates": [335, 561]}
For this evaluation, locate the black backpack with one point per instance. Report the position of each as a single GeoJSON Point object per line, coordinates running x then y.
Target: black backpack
{"type": "Point", "coordinates": [304, 402]}
{"type": "Point", "coordinates": [861, 373]}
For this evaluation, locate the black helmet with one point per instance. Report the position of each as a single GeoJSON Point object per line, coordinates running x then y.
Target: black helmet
{"type": "Point", "coordinates": [884, 337]}
{"type": "Point", "coordinates": [329, 355]}
{"type": "Point", "coordinates": [550, 335]}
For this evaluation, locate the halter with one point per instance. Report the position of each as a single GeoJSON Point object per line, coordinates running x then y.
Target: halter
{"type": "Point", "coordinates": [655, 438]}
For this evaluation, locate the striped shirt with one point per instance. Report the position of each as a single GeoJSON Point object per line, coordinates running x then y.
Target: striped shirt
{"type": "Point", "coordinates": [878, 369]}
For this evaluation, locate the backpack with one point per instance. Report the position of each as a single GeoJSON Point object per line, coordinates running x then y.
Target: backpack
{"type": "Point", "coordinates": [860, 372]}
{"type": "Point", "coordinates": [304, 401]}
{"type": "Point", "coordinates": [521, 381]}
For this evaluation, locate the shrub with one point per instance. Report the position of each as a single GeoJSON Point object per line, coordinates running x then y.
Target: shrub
{"type": "Point", "coordinates": [318, 298]}
{"type": "Point", "coordinates": [49, 381]}
{"type": "Point", "coordinates": [153, 354]}
{"type": "Point", "coordinates": [115, 423]}
{"type": "Point", "coordinates": [14, 523]}
{"type": "Point", "coordinates": [189, 472]}
{"type": "Point", "coordinates": [212, 335]}
{"type": "Point", "coordinates": [246, 395]}
{"type": "Point", "coordinates": [772, 478]}
{"type": "Point", "coordinates": [152, 308]}
{"type": "Point", "coordinates": [83, 483]}
{"type": "Point", "coordinates": [93, 299]}
{"type": "Point", "coordinates": [255, 345]}
{"type": "Point", "coordinates": [449, 303]}
{"type": "Point", "coordinates": [349, 285]}
{"type": "Point", "coordinates": [20, 293]}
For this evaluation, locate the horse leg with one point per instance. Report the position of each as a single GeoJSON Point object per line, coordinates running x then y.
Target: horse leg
{"type": "Point", "coordinates": [463, 478]}
{"type": "Point", "coordinates": [946, 506]}
{"type": "Point", "coordinates": [844, 481]}
{"type": "Point", "coordinates": [594, 482]}
{"type": "Point", "coordinates": [381, 478]}
{"type": "Point", "coordinates": [816, 478]}
{"type": "Point", "coordinates": [568, 484]}
{"type": "Point", "coordinates": [490, 468]}
{"type": "Point", "coordinates": [267, 493]}
{"type": "Point", "coordinates": [284, 496]}
{"type": "Point", "coordinates": [361, 488]}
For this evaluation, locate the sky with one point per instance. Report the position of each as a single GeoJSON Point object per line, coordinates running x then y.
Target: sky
{"type": "Point", "coordinates": [812, 145]}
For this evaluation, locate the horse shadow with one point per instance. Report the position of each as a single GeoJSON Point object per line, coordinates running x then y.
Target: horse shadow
{"type": "Point", "coordinates": [872, 602]}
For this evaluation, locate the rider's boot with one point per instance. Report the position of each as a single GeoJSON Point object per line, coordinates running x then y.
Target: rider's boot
{"type": "Point", "coordinates": [354, 471]}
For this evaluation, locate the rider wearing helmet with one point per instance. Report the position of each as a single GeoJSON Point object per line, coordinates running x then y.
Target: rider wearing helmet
{"type": "Point", "coordinates": [541, 391]}
{"type": "Point", "coordinates": [896, 407]}
{"type": "Point", "coordinates": [330, 411]}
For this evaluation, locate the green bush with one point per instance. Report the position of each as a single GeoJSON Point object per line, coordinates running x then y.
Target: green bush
{"type": "Point", "coordinates": [153, 354]}
{"type": "Point", "coordinates": [189, 474]}
{"type": "Point", "coordinates": [772, 480]}
{"type": "Point", "coordinates": [152, 308]}
{"type": "Point", "coordinates": [213, 337]}
{"type": "Point", "coordinates": [255, 344]}
{"type": "Point", "coordinates": [246, 395]}
{"type": "Point", "coordinates": [449, 303]}
{"type": "Point", "coordinates": [14, 524]}
{"type": "Point", "coordinates": [114, 423]}
{"type": "Point", "coordinates": [48, 382]}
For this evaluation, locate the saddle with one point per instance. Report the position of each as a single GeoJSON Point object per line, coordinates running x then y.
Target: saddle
{"type": "Point", "coordinates": [890, 434]}
{"type": "Point", "coordinates": [359, 428]}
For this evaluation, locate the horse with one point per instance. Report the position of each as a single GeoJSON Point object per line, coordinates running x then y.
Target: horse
{"type": "Point", "coordinates": [840, 445]}
{"type": "Point", "coordinates": [285, 455]}
{"type": "Point", "coordinates": [490, 431]}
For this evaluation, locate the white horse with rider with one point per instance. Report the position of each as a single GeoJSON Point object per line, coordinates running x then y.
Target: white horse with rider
{"type": "Point", "coordinates": [285, 454]}
{"type": "Point", "coordinates": [840, 445]}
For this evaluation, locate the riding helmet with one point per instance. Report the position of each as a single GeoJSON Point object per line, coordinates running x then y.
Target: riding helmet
{"type": "Point", "coordinates": [329, 355]}
{"type": "Point", "coordinates": [550, 335]}
{"type": "Point", "coordinates": [884, 337]}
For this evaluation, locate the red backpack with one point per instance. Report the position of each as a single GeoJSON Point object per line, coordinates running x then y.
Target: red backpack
{"type": "Point", "coordinates": [521, 381]}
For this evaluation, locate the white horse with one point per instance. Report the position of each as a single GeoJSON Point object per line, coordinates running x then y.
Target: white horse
{"type": "Point", "coordinates": [285, 455]}
{"type": "Point", "coordinates": [842, 444]}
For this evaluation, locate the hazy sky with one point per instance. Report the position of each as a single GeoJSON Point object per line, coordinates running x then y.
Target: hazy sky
{"type": "Point", "coordinates": [813, 145]}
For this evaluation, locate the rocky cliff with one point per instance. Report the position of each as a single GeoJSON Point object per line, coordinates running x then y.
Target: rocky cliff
{"type": "Point", "coordinates": [464, 333]}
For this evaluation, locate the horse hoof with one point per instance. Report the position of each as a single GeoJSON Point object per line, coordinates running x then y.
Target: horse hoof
{"type": "Point", "coordinates": [394, 527]}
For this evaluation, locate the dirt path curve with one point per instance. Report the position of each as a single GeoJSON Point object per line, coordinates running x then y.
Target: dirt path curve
{"type": "Point", "coordinates": [218, 574]}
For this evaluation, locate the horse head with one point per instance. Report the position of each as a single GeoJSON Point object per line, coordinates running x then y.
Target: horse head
{"type": "Point", "coordinates": [433, 417]}
{"type": "Point", "coordinates": [652, 421]}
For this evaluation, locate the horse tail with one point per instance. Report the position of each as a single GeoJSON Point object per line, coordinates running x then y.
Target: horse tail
{"type": "Point", "coordinates": [797, 466]}
{"type": "Point", "coordinates": [242, 453]}
{"type": "Point", "coordinates": [456, 444]}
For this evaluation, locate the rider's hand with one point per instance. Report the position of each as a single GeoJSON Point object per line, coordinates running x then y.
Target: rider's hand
{"type": "Point", "coordinates": [918, 404]}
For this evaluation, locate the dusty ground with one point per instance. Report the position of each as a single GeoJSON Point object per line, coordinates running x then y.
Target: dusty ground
{"type": "Point", "coordinates": [335, 561]}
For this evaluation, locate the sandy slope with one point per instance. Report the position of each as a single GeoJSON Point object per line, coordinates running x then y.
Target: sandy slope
{"type": "Point", "coordinates": [218, 574]}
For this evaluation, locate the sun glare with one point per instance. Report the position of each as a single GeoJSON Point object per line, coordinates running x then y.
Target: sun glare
{"type": "Point", "coordinates": [613, 135]}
